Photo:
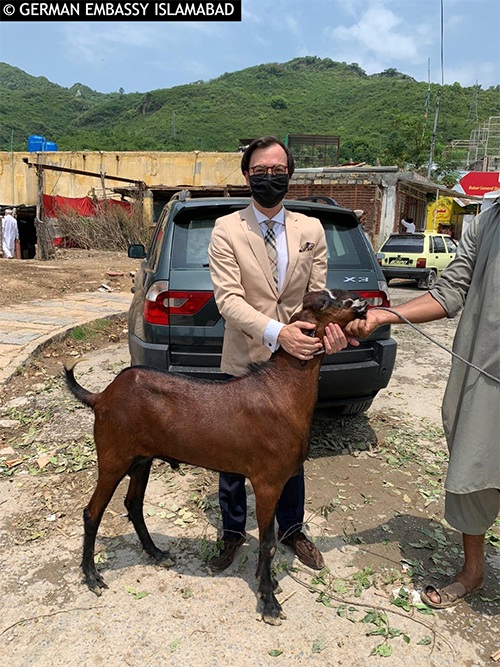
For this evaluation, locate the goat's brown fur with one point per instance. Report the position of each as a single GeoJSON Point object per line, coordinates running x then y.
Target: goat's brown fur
{"type": "Point", "coordinates": [256, 425]}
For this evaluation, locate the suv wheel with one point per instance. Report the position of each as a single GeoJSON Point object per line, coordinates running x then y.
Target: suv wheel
{"type": "Point", "coordinates": [352, 408]}
{"type": "Point", "coordinates": [428, 282]}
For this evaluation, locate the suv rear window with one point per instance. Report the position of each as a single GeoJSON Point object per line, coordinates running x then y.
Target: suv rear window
{"type": "Point", "coordinates": [345, 249]}
{"type": "Point", "coordinates": [413, 244]}
{"type": "Point", "coordinates": [190, 247]}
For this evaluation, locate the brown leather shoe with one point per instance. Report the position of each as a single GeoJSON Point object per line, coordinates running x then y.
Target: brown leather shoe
{"type": "Point", "coordinates": [307, 552]}
{"type": "Point", "coordinates": [227, 554]}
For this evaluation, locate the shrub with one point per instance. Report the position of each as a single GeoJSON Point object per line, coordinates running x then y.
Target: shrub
{"type": "Point", "coordinates": [110, 228]}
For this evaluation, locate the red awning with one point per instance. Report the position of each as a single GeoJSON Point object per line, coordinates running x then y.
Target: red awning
{"type": "Point", "coordinates": [85, 206]}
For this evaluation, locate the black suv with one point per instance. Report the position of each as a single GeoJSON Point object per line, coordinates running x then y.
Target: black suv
{"type": "Point", "coordinates": [174, 323]}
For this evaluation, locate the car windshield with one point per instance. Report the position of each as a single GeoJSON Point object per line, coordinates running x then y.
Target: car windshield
{"type": "Point", "coordinates": [404, 244]}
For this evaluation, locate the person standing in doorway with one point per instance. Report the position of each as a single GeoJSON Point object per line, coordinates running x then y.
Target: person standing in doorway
{"type": "Point", "coordinates": [10, 234]}
{"type": "Point", "coordinates": [409, 225]}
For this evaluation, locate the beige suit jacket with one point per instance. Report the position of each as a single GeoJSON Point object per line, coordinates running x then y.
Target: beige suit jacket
{"type": "Point", "coordinates": [244, 288]}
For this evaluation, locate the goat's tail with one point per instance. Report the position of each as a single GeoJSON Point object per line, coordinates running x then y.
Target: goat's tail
{"type": "Point", "coordinates": [83, 395]}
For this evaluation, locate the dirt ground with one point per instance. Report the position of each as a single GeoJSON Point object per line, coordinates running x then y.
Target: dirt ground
{"type": "Point", "coordinates": [374, 504]}
{"type": "Point", "coordinates": [73, 270]}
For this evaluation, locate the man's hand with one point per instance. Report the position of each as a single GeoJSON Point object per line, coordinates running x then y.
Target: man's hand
{"type": "Point", "coordinates": [304, 347]}
{"type": "Point", "coordinates": [297, 343]}
{"type": "Point", "coordinates": [363, 328]}
{"type": "Point", "coordinates": [335, 339]}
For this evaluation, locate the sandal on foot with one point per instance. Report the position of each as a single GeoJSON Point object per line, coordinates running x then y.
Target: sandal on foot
{"type": "Point", "coordinates": [450, 595]}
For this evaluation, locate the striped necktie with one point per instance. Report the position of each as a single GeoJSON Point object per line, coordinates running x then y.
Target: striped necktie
{"type": "Point", "coordinates": [270, 241]}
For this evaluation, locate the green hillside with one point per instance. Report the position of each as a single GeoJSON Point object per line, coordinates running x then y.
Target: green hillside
{"type": "Point", "coordinates": [378, 117]}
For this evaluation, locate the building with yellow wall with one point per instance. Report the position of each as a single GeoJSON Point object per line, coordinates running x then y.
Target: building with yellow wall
{"type": "Point", "coordinates": [445, 214]}
{"type": "Point", "coordinates": [19, 186]}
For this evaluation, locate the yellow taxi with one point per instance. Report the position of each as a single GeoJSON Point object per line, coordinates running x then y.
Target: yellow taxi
{"type": "Point", "coordinates": [419, 256]}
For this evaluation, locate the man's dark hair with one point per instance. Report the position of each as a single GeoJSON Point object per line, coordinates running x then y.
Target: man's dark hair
{"type": "Point", "coordinates": [265, 142]}
{"type": "Point", "coordinates": [409, 219]}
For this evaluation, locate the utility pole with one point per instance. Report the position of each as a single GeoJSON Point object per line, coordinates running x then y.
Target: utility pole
{"type": "Point", "coordinates": [433, 138]}
{"type": "Point", "coordinates": [473, 107]}
{"type": "Point", "coordinates": [12, 167]}
{"type": "Point", "coordinates": [438, 100]}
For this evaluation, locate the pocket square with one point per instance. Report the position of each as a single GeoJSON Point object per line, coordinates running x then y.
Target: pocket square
{"type": "Point", "coordinates": [307, 246]}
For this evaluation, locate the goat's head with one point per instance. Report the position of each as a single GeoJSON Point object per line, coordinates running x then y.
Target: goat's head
{"type": "Point", "coordinates": [331, 306]}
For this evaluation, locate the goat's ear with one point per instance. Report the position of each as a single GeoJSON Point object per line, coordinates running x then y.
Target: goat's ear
{"type": "Point", "coordinates": [317, 300]}
{"type": "Point", "coordinates": [325, 302]}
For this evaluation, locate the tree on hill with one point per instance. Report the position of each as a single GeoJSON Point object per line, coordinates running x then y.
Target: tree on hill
{"type": "Point", "coordinates": [379, 117]}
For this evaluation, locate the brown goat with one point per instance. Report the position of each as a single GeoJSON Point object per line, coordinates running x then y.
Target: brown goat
{"type": "Point", "coordinates": [256, 425]}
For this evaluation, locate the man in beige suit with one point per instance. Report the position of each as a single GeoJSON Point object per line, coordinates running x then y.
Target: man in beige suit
{"type": "Point", "coordinates": [263, 260]}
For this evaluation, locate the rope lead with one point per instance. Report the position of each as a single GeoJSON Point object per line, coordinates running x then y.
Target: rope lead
{"type": "Point", "coordinates": [453, 354]}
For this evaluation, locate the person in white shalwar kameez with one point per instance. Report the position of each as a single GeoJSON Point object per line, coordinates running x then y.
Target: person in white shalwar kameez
{"type": "Point", "coordinates": [10, 234]}
{"type": "Point", "coordinates": [471, 404]}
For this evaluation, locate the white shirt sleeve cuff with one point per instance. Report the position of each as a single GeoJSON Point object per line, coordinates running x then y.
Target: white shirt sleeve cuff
{"type": "Point", "coordinates": [271, 333]}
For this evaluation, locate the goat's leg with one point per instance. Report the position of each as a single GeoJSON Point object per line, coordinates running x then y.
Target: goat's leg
{"type": "Point", "coordinates": [269, 606]}
{"type": "Point", "coordinates": [261, 560]}
{"type": "Point", "coordinates": [134, 502]}
{"type": "Point", "coordinates": [92, 515]}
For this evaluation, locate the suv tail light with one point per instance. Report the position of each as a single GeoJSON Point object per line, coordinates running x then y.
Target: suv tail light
{"type": "Point", "coordinates": [421, 263]}
{"type": "Point", "coordinates": [160, 303]}
{"type": "Point", "coordinates": [375, 298]}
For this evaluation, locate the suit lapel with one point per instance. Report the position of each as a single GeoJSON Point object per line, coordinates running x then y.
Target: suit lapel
{"type": "Point", "coordinates": [255, 240]}
{"type": "Point", "coordinates": [292, 229]}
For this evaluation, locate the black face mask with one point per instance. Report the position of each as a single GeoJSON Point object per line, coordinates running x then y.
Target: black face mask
{"type": "Point", "coordinates": [269, 190]}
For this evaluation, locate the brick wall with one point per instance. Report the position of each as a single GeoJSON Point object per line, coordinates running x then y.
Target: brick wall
{"type": "Point", "coordinates": [349, 194]}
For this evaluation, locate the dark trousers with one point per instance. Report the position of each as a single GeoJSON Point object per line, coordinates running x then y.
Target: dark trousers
{"type": "Point", "coordinates": [233, 504]}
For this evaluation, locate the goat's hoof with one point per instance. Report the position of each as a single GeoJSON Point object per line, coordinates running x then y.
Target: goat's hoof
{"type": "Point", "coordinates": [273, 620]}
{"type": "Point", "coordinates": [163, 559]}
{"type": "Point", "coordinates": [276, 587]}
{"type": "Point", "coordinates": [96, 585]}
{"type": "Point", "coordinates": [271, 611]}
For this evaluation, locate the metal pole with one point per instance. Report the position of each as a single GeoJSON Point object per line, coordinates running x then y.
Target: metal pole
{"type": "Point", "coordinates": [12, 166]}
{"type": "Point", "coordinates": [433, 139]}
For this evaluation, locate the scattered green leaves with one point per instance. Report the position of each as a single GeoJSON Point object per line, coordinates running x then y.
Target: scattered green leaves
{"type": "Point", "coordinates": [383, 650]}
{"type": "Point", "coordinates": [402, 600]}
{"type": "Point", "coordinates": [425, 641]}
{"type": "Point", "coordinates": [174, 645]}
{"type": "Point", "coordinates": [137, 595]}
{"type": "Point", "coordinates": [209, 549]}
{"type": "Point", "coordinates": [318, 645]}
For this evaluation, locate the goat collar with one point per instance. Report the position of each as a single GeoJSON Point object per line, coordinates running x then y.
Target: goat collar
{"type": "Point", "coordinates": [312, 334]}
{"type": "Point", "coordinates": [309, 332]}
